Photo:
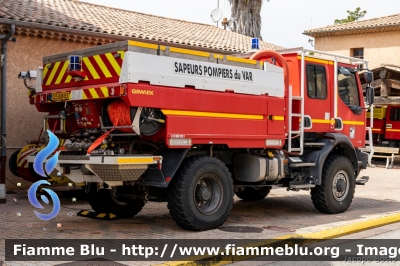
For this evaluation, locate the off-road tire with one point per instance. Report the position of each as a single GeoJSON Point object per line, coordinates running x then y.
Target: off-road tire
{"type": "Point", "coordinates": [200, 197]}
{"type": "Point", "coordinates": [323, 196]}
{"type": "Point", "coordinates": [12, 163]}
{"type": "Point", "coordinates": [102, 201]}
{"type": "Point", "coordinates": [253, 194]}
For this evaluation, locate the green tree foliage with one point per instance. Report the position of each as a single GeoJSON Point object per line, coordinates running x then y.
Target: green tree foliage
{"type": "Point", "coordinates": [246, 17]}
{"type": "Point", "coordinates": [353, 16]}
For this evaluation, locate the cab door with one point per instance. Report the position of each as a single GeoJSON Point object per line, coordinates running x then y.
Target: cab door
{"type": "Point", "coordinates": [350, 117]}
{"type": "Point", "coordinates": [317, 100]}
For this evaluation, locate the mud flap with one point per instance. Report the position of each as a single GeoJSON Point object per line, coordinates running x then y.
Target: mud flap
{"type": "Point", "coordinates": [172, 159]}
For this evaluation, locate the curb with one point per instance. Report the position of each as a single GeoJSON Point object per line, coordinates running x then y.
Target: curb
{"type": "Point", "coordinates": [306, 238]}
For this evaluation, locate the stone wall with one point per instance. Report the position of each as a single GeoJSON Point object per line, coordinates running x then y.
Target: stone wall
{"type": "Point", "coordinates": [379, 47]}
{"type": "Point", "coordinates": [23, 120]}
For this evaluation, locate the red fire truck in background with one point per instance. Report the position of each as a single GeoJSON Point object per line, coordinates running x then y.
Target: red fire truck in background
{"type": "Point", "coordinates": [386, 126]}
{"type": "Point", "coordinates": [147, 122]}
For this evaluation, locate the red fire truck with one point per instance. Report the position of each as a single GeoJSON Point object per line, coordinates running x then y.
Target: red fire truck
{"type": "Point", "coordinates": [386, 126]}
{"type": "Point", "coordinates": [148, 122]}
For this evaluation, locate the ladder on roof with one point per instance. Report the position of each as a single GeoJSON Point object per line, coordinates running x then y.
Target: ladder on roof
{"type": "Point", "coordinates": [300, 115]}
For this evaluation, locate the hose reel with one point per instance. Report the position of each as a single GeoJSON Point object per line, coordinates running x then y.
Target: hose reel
{"type": "Point", "coordinates": [144, 121]}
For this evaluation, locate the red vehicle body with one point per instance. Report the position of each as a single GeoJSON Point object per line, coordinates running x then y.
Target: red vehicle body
{"type": "Point", "coordinates": [192, 127]}
{"type": "Point", "coordinates": [386, 126]}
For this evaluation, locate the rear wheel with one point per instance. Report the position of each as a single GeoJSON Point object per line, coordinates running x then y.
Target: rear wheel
{"type": "Point", "coordinates": [253, 194]}
{"type": "Point", "coordinates": [12, 163]}
{"type": "Point", "coordinates": [200, 197]}
{"type": "Point", "coordinates": [336, 191]}
{"type": "Point", "coordinates": [104, 201]}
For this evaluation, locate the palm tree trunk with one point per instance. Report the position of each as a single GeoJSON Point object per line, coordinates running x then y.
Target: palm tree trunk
{"type": "Point", "coordinates": [246, 17]}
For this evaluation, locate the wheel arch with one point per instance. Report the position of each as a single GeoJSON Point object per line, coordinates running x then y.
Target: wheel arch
{"type": "Point", "coordinates": [334, 143]}
{"type": "Point", "coordinates": [343, 146]}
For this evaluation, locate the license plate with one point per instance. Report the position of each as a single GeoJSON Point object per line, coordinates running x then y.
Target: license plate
{"type": "Point", "coordinates": [60, 96]}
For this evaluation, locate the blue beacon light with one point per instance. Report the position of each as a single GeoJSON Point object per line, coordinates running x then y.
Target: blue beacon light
{"type": "Point", "coordinates": [255, 45]}
{"type": "Point", "coordinates": [75, 63]}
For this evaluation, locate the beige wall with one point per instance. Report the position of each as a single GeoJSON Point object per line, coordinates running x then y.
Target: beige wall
{"type": "Point", "coordinates": [23, 120]}
{"type": "Point", "coordinates": [381, 47]}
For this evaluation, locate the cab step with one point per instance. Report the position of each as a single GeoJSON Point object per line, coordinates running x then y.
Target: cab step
{"type": "Point", "coordinates": [314, 144]}
{"type": "Point", "coordinates": [302, 164]}
{"type": "Point", "coordinates": [362, 180]}
{"type": "Point", "coordinates": [302, 186]}
{"type": "Point", "coordinates": [297, 98]}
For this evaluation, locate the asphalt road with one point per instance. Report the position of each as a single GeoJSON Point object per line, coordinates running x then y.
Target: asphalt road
{"type": "Point", "coordinates": [282, 213]}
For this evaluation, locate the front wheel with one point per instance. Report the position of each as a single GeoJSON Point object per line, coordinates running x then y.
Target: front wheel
{"type": "Point", "coordinates": [200, 197]}
{"type": "Point", "coordinates": [336, 191]}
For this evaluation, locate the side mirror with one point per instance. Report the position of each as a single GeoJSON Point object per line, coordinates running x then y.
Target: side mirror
{"type": "Point", "coordinates": [369, 76]}
{"type": "Point", "coordinates": [345, 71]}
{"type": "Point", "coordinates": [369, 95]}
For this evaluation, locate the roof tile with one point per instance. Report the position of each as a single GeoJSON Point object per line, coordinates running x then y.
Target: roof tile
{"type": "Point", "coordinates": [90, 17]}
{"type": "Point", "coordinates": [387, 21]}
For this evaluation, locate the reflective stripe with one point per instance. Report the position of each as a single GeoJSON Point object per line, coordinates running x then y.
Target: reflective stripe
{"type": "Point", "coordinates": [278, 118]}
{"type": "Point", "coordinates": [53, 72]}
{"type": "Point", "coordinates": [322, 121]}
{"type": "Point", "coordinates": [216, 115]}
{"type": "Point", "coordinates": [134, 160]}
{"type": "Point", "coordinates": [62, 72]}
{"type": "Point", "coordinates": [356, 123]}
{"type": "Point", "coordinates": [114, 63]}
{"type": "Point", "coordinates": [105, 91]}
{"type": "Point", "coordinates": [315, 60]}
{"type": "Point", "coordinates": [93, 93]}
{"type": "Point", "coordinates": [90, 67]}
{"type": "Point", "coordinates": [144, 45]}
{"type": "Point", "coordinates": [102, 66]}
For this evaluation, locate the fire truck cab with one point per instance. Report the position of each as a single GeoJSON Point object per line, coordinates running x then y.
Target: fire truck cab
{"type": "Point", "coordinates": [147, 122]}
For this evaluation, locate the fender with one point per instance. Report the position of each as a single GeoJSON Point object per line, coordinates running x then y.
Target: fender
{"type": "Point", "coordinates": [334, 143]}
{"type": "Point", "coordinates": [172, 160]}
